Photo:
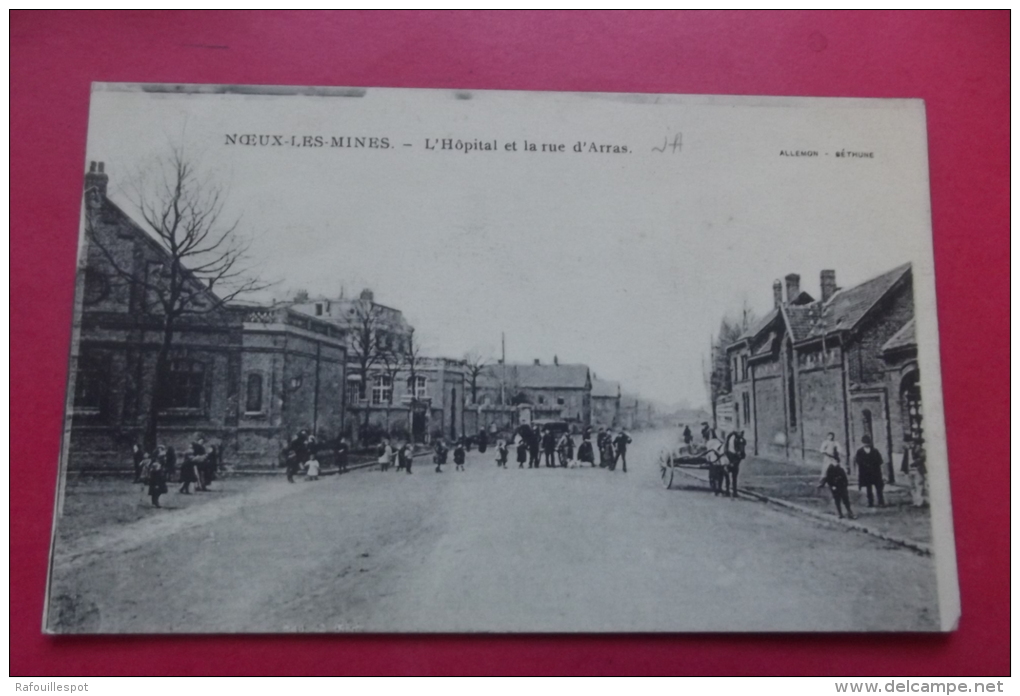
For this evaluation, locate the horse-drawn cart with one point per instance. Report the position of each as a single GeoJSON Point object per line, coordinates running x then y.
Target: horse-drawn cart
{"type": "Point", "coordinates": [685, 457]}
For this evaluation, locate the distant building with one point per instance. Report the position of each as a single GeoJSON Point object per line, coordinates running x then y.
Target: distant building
{"type": "Point", "coordinates": [393, 400]}
{"type": "Point", "coordinates": [555, 391]}
{"type": "Point", "coordinates": [393, 333]}
{"type": "Point", "coordinates": [844, 363]}
{"type": "Point", "coordinates": [635, 413]}
{"type": "Point", "coordinates": [605, 403]}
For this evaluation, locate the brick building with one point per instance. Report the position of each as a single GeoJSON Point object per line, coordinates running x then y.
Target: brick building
{"type": "Point", "coordinates": [246, 378]}
{"type": "Point", "coordinates": [844, 363]}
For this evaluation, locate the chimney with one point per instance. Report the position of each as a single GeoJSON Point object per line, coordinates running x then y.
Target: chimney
{"type": "Point", "coordinates": [556, 360]}
{"type": "Point", "coordinates": [96, 178]}
{"type": "Point", "coordinates": [537, 361]}
{"type": "Point", "coordinates": [777, 294]}
{"type": "Point", "coordinates": [828, 284]}
{"type": "Point", "coordinates": [792, 287]}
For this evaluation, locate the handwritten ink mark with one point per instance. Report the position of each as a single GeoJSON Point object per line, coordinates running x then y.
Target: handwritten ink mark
{"type": "Point", "coordinates": [674, 147]}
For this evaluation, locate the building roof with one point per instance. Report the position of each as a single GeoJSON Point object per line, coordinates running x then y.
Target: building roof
{"type": "Point", "coordinates": [904, 338]}
{"type": "Point", "coordinates": [846, 308]}
{"type": "Point", "coordinates": [603, 388]}
{"type": "Point", "coordinates": [551, 376]}
{"type": "Point", "coordinates": [843, 312]}
{"type": "Point", "coordinates": [759, 326]}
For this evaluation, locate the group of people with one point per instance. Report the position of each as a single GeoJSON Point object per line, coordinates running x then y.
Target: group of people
{"type": "Point", "coordinates": [441, 452]}
{"type": "Point", "coordinates": [534, 447]}
{"type": "Point", "coordinates": [302, 455]}
{"type": "Point", "coordinates": [869, 463]}
{"type": "Point", "coordinates": [402, 455]}
{"type": "Point", "coordinates": [157, 468]}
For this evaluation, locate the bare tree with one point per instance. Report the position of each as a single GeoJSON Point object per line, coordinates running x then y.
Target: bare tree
{"type": "Point", "coordinates": [365, 346]}
{"type": "Point", "coordinates": [391, 362]}
{"type": "Point", "coordinates": [476, 364]}
{"type": "Point", "coordinates": [413, 360]}
{"type": "Point", "coordinates": [205, 260]}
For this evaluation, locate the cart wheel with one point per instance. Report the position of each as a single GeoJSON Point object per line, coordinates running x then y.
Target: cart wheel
{"type": "Point", "coordinates": [666, 471]}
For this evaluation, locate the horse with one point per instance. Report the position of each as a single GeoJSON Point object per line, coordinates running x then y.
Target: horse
{"type": "Point", "coordinates": [736, 451]}
{"type": "Point", "coordinates": [715, 453]}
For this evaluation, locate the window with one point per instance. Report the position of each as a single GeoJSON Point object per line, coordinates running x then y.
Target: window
{"type": "Point", "coordinates": [382, 390]}
{"type": "Point", "coordinates": [746, 398]}
{"type": "Point", "coordinates": [253, 394]}
{"type": "Point", "coordinates": [355, 392]}
{"type": "Point", "coordinates": [421, 386]}
{"type": "Point", "coordinates": [868, 424]}
{"type": "Point", "coordinates": [743, 367]}
{"type": "Point", "coordinates": [89, 380]}
{"type": "Point", "coordinates": [97, 286]}
{"type": "Point", "coordinates": [318, 309]}
{"type": "Point", "coordinates": [185, 384]}
{"type": "Point", "coordinates": [559, 401]}
{"type": "Point", "coordinates": [541, 399]}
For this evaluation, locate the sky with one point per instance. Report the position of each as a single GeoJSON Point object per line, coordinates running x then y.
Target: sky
{"type": "Point", "coordinates": [624, 261]}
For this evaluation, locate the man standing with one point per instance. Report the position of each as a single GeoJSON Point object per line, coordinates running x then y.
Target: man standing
{"type": "Point", "coordinates": [533, 447]}
{"type": "Point", "coordinates": [688, 437]}
{"type": "Point", "coordinates": [600, 442]}
{"type": "Point", "coordinates": [621, 442]}
{"type": "Point", "coordinates": [342, 451]}
{"type": "Point", "coordinates": [914, 467]}
{"type": "Point", "coordinates": [549, 448]}
{"type": "Point", "coordinates": [869, 471]}
{"type": "Point", "coordinates": [296, 457]}
{"type": "Point", "coordinates": [609, 453]}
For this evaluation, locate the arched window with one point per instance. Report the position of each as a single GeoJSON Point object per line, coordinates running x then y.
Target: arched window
{"type": "Point", "coordinates": [90, 379]}
{"type": "Point", "coordinates": [868, 424]}
{"type": "Point", "coordinates": [253, 394]}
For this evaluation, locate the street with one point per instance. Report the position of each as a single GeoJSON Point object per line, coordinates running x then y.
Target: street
{"type": "Point", "coordinates": [486, 550]}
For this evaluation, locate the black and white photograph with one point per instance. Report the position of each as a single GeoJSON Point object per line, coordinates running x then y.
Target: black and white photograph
{"type": "Point", "coordinates": [354, 360]}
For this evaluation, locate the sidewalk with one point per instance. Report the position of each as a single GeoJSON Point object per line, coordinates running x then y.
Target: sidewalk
{"type": "Point", "coordinates": [797, 484]}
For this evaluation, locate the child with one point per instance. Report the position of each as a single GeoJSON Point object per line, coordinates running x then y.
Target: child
{"type": "Point", "coordinates": [155, 476]}
{"type": "Point", "coordinates": [501, 453]}
{"type": "Point", "coordinates": [458, 456]}
{"type": "Point", "coordinates": [440, 456]}
{"type": "Point", "coordinates": [188, 474]}
{"type": "Point", "coordinates": [522, 451]}
{"type": "Point", "coordinates": [312, 468]}
{"type": "Point", "coordinates": [835, 479]}
{"type": "Point", "coordinates": [406, 457]}
{"type": "Point", "coordinates": [385, 456]}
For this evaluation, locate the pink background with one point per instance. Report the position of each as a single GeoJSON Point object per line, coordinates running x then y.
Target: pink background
{"type": "Point", "coordinates": [958, 63]}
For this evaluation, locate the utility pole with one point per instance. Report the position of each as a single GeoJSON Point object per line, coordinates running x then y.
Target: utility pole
{"type": "Point", "coordinates": [502, 362]}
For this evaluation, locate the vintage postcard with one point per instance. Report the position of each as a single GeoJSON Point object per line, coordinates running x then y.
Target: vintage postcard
{"type": "Point", "coordinates": [388, 360]}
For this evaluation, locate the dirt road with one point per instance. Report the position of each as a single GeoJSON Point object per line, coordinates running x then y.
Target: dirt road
{"type": "Point", "coordinates": [487, 550]}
